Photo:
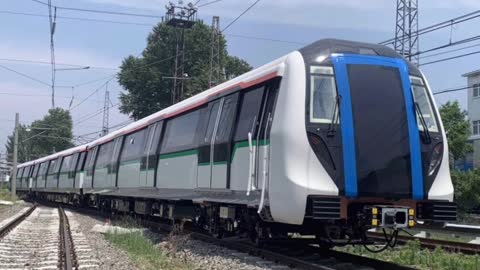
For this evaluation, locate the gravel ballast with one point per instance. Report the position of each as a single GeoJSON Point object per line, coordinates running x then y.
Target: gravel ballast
{"type": "Point", "coordinates": [181, 248]}
{"type": "Point", "coordinates": [110, 257]}
{"type": "Point", "coordinates": [7, 211]}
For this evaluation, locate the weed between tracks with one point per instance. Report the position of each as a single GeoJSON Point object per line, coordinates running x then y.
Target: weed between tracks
{"type": "Point", "coordinates": [145, 253]}
{"type": "Point", "coordinates": [412, 254]}
{"type": "Point", "coordinates": [6, 195]}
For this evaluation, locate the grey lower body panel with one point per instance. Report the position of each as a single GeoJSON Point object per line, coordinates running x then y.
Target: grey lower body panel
{"type": "Point", "coordinates": [196, 196]}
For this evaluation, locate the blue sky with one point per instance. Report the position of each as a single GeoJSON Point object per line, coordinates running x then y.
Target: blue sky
{"type": "Point", "coordinates": [104, 45]}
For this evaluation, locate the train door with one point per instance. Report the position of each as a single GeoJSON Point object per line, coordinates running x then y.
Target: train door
{"type": "Point", "coordinates": [149, 159]}
{"type": "Point", "coordinates": [112, 167]}
{"type": "Point", "coordinates": [262, 138]}
{"type": "Point", "coordinates": [204, 171]}
{"type": "Point", "coordinates": [222, 142]}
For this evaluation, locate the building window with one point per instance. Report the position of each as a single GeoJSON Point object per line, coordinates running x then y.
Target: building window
{"type": "Point", "coordinates": [476, 90]}
{"type": "Point", "coordinates": [476, 127]}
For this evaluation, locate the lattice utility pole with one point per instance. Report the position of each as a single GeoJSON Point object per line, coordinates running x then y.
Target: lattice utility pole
{"type": "Point", "coordinates": [406, 31]}
{"type": "Point", "coordinates": [180, 18]}
{"type": "Point", "coordinates": [106, 111]}
{"type": "Point", "coordinates": [215, 56]}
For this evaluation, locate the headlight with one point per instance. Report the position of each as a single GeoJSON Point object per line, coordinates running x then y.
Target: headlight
{"type": "Point", "coordinates": [435, 158]}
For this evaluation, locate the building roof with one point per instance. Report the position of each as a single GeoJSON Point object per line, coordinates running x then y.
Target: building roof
{"type": "Point", "coordinates": [472, 73]}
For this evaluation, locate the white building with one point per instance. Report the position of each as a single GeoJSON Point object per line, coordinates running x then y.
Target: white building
{"type": "Point", "coordinates": [473, 83]}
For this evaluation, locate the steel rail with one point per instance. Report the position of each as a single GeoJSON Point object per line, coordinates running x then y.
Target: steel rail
{"type": "Point", "coordinates": [67, 249]}
{"type": "Point", "coordinates": [13, 223]}
{"type": "Point", "coordinates": [313, 257]}
{"type": "Point", "coordinates": [429, 243]}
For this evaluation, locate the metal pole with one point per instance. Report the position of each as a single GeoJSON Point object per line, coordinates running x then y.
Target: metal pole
{"type": "Point", "coordinates": [13, 183]}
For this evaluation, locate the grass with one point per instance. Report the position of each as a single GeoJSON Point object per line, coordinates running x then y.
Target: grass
{"type": "Point", "coordinates": [144, 253]}
{"type": "Point", "coordinates": [412, 254]}
{"type": "Point", "coordinates": [6, 195]}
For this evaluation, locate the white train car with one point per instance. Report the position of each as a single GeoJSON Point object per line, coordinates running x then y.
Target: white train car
{"type": "Point", "coordinates": [331, 140]}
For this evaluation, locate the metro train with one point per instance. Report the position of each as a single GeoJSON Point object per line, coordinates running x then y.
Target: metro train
{"type": "Point", "coordinates": [331, 140]}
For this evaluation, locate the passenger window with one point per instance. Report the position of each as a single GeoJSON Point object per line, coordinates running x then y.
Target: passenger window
{"type": "Point", "coordinates": [226, 119]}
{"type": "Point", "coordinates": [180, 132]}
{"type": "Point", "coordinates": [156, 138]}
{"type": "Point", "coordinates": [35, 170]}
{"type": "Point", "coordinates": [133, 145]}
{"type": "Point", "coordinates": [52, 168]}
{"type": "Point", "coordinates": [66, 164]}
{"type": "Point", "coordinates": [212, 118]}
{"type": "Point", "coordinates": [248, 118]}
{"type": "Point", "coordinates": [104, 155]}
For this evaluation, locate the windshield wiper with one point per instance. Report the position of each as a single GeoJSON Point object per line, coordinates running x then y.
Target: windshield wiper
{"type": "Point", "coordinates": [427, 138]}
{"type": "Point", "coordinates": [332, 128]}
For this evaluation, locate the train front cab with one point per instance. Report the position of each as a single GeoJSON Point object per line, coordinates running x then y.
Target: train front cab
{"type": "Point", "coordinates": [377, 152]}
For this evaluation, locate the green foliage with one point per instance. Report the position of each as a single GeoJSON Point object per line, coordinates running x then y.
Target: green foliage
{"type": "Point", "coordinates": [143, 77]}
{"type": "Point", "coordinates": [412, 254]}
{"type": "Point", "coordinates": [51, 134]}
{"type": "Point", "coordinates": [143, 251]}
{"type": "Point", "coordinates": [467, 189]}
{"type": "Point", "coordinates": [457, 128]}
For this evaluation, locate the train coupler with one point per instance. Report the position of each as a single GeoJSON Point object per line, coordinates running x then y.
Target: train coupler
{"type": "Point", "coordinates": [388, 216]}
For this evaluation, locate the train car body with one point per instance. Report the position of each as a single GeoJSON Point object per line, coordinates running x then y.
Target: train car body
{"type": "Point", "coordinates": [331, 140]}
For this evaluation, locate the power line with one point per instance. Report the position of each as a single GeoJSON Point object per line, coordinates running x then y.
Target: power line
{"type": "Point", "coordinates": [92, 93]}
{"type": "Point", "coordinates": [102, 11]}
{"type": "Point", "coordinates": [239, 16]}
{"type": "Point", "coordinates": [450, 51]}
{"type": "Point", "coordinates": [452, 90]}
{"type": "Point", "coordinates": [74, 18]}
{"type": "Point", "coordinates": [48, 63]}
{"type": "Point", "coordinates": [25, 75]}
{"type": "Point", "coordinates": [209, 3]}
{"type": "Point", "coordinates": [29, 95]}
{"type": "Point", "coordinates": [133, 23]}
{"type": "Point", "coordinates": [438, 26]}
{"type": "Point", "coordinates": [450, 44]}
{"type": "Point", "coordinates": [91, 116]}
{"type": "Point", "coordinates": [450, 58]}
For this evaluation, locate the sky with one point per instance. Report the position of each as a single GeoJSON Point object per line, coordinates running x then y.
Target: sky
{"type": "Point", "coordinates": [103, 46]}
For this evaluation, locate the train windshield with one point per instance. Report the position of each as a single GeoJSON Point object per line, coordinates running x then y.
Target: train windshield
{"type": "Point", "coordinates": [323, 95]}
{"type": "Point", "coordinates": [423, 101]}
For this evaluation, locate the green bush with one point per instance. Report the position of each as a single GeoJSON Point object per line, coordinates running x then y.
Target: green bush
{"type": "Point", "coordinates": [467, 189]}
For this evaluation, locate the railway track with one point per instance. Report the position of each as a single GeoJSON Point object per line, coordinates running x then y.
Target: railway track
{"type": "Point", "coordinates": [41, 238]}
{"type": "Point", "coordinates": [451, 246]}
{"type": "Point", "coordinates": [297, 254]}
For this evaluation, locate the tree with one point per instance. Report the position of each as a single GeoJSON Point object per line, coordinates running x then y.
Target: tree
{"type": "Point", "coordinates": [51, 134]}
{"type": "Point", "coordinates": [457, 128]}
{"type": "Point", "coordinates": [467, 189]}
{"type": "Point", "coordinates": [143, 77]}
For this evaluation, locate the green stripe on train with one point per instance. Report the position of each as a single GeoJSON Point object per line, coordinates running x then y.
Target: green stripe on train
{"type": "Point", "coordinates": [179, 154]}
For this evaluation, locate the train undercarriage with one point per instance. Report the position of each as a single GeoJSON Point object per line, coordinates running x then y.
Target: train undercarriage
{"type": "Point", "coordinates": [232, 220]}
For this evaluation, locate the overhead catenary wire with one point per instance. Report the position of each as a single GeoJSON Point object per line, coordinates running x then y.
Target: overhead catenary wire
{"type": "Point", "coordinates": [138, 24]}
{"type": "Point", "coordinates": [101, 11]}
{"type": "Point", "coordinates": [239, 16]}
{"type": "Point", "coordinates": [438, 26]}
{"type": "Point", "coordinates": [449, 58]}
{"type": "Point", "coordinates": [449, 51]}
{"type": "Point", "coordinates": [92, 93]}
{"type": "Point", "coordinates": [452, 90]}
{"type": "Point", "coordinates": [25, 75]}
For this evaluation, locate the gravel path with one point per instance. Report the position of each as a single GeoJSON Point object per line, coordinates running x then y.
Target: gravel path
{"type": "Point", "coordinates": [204, 255]}
{"type": "Point", "coordinates": [109, 257]}
{"type": "Point", "coordinates": [200, 254]}
{"type": "Point", "coordinates": [7, 211]}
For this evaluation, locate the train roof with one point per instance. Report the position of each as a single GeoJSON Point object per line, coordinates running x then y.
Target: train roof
{"type": "Point", "coordinates": [260, 74]}
{"type": "Point", "coordinates": [326, 47]}
{"type": "Point", "coordinates": [65, 152]}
